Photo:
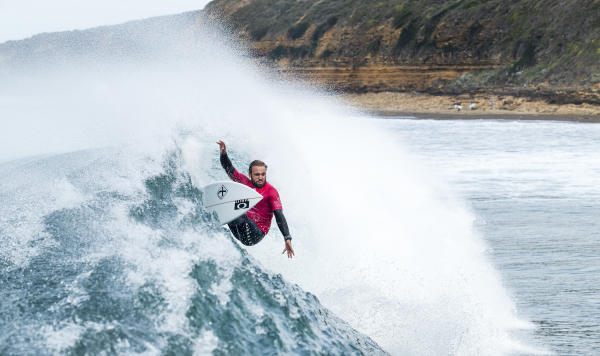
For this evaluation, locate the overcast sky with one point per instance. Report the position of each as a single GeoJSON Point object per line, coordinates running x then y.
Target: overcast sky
{"type": "Point", "coordinates": [23, 18]}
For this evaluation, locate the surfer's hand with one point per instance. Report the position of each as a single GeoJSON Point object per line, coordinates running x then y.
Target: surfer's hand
{"type": "Point", "coordinates": [222, 147]}
{"type": "Point", "coordinates": [288, 248]}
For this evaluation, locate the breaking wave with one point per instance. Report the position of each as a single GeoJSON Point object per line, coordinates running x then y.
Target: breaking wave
{"type": "Point", "coordinates": [106, 247]}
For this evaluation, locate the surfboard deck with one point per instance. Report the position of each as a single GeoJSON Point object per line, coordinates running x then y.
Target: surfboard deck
{"type": "Point", "coordinates": [229, 200]}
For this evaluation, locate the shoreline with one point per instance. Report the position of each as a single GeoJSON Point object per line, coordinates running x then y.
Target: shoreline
{"type": "Point", "coordinates": [483, 116]}
{"type": "Point", "coordinates": [492, 107]}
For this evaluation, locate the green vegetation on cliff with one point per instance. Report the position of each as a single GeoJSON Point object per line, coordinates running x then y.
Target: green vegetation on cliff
{"type": "Point", "coordinates": [549, 42]}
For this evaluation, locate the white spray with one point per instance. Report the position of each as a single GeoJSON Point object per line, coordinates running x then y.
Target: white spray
{"type": "Point", "coordinates": [378, 238]}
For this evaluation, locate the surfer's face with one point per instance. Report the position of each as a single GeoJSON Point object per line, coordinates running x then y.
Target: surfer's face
{"type": "Point", "coordinates": [258, 176]}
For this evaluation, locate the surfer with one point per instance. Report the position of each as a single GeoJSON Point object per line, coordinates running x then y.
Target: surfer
{"type": "Point", "coordinates": [251, 227]}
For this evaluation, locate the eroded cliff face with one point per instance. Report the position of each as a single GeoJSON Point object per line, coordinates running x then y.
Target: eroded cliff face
{"type": "Point", "coordinates": [544, 49]}
{"type": "Point", "coordinates": [539, 48]}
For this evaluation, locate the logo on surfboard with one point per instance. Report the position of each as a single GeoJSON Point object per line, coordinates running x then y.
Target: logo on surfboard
{"type": "Point", "coordinates": [241, 204]}
{"type": "Point", "coordinates": [222, 192]}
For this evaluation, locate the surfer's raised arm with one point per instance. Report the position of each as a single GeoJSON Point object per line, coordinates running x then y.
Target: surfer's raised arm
{"type": "Point", "coordinates": [225, 161]}
{"type": "Point", "coordinates": [251, 227]}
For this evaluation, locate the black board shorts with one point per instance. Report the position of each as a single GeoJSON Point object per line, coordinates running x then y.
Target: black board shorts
{"type": "Point", "coordinates": [246, 230]}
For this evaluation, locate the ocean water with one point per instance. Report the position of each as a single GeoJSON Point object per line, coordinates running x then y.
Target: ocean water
{"type": "Point", "coordinates": [92, 264]}
{"type": "Point", "coordinates": [535, 190]}
{"type": "Point", "coordinates": [105, 247]}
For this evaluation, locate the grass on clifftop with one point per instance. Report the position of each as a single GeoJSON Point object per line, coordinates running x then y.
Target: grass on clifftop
{"type": "Point", "coordinates": [555, 41]}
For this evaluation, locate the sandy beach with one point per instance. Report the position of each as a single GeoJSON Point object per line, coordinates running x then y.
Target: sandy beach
{"type": "Point", "coordinates": [474, 107]}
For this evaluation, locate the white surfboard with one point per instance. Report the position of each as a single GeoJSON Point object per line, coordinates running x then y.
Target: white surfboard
{"type": "Point", "coordinates": [229, 199]}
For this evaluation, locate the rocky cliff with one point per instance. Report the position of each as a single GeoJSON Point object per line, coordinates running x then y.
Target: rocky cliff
{"type": "Point", "coordinates": [548, 49]}
{"type": "Point", "coordinates": [525, 48]}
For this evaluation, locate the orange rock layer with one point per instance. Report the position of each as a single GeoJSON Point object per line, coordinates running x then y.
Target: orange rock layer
{"type": "Point", "coordinates": [379, 78]}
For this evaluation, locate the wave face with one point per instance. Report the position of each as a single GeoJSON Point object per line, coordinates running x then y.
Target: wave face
{"type": "Point", "coordinates": [106, 247]}
{"type": "Point", "coordinates": [94, 266]}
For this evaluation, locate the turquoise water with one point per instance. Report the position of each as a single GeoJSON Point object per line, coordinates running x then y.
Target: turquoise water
{"type": "Point", "coordinates": [105, 250]}
{"type": "Point", "coordinates": [535, 190]}
{"type": "Point", "coordinates": [90, 266]}
{"type": "Point", "coordinates": [108, 250]}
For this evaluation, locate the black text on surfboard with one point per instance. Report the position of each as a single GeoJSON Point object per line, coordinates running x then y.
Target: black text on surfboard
{"type": "Point", "coordinates": [241, 204]}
